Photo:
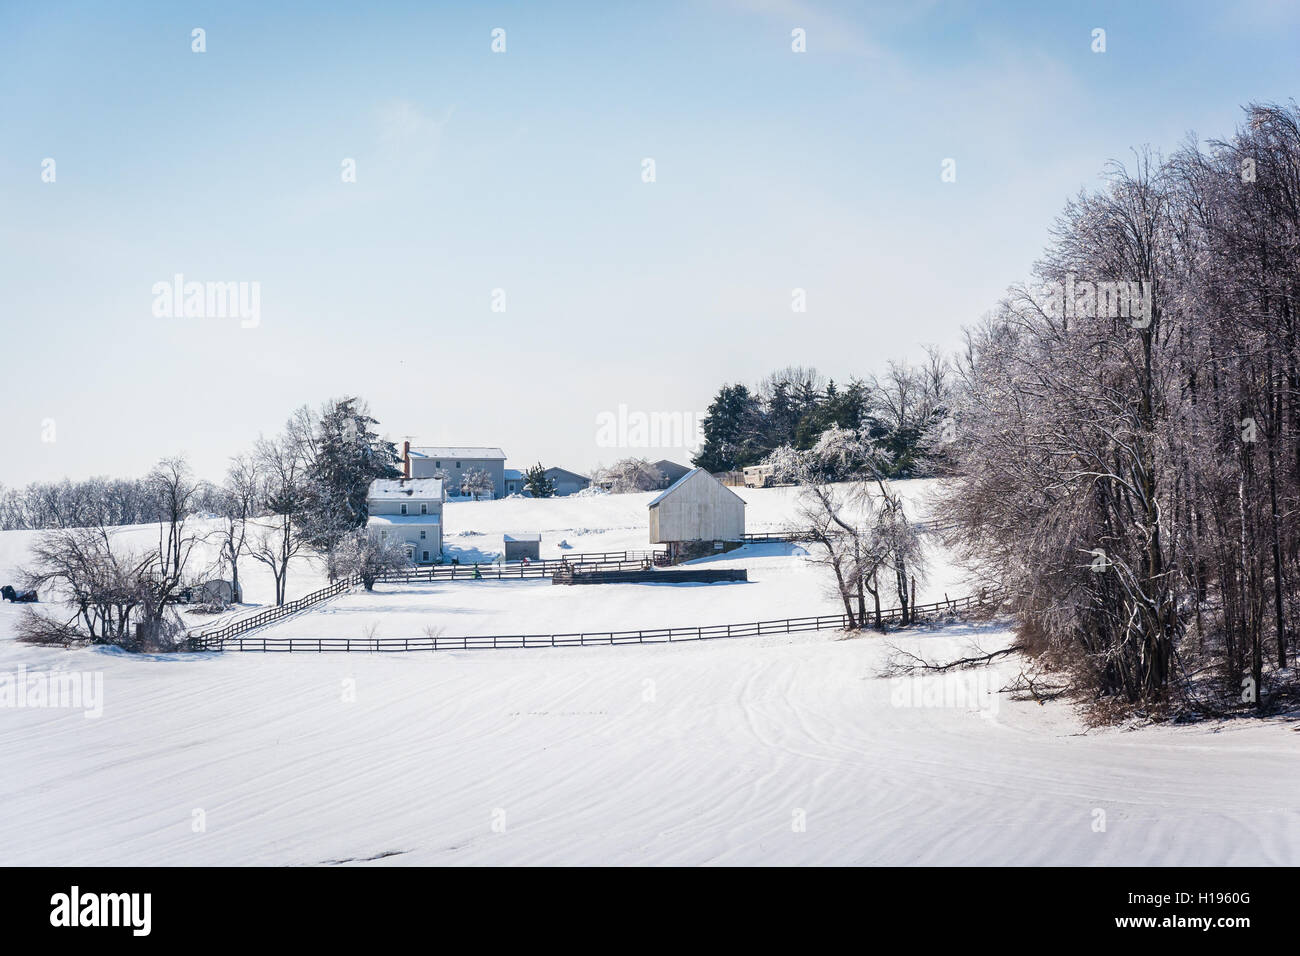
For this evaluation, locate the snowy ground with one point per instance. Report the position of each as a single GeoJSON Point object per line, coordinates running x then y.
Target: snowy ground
{"type": "Point", "coordinates": [766, 750]}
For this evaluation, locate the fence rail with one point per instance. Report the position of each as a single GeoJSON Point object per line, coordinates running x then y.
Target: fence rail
{"type": "Point", "coordinates": [662, 635]}
{"type": "Point", "coordinates": [272, 614]}
{"type": "Point", "coordinates": [602, 560]}
{"type": "Point", "coordinates": [495, 572]}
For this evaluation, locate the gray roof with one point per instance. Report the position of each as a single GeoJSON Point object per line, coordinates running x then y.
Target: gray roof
{"type": "Point", "coordinates": [401, 489]}
{"type": "Point", "coordinates": [522, 537]}
{"type": "Point", "coordinates": [456, 451]}
{"type": "Point", "coordinates": [565, 471]}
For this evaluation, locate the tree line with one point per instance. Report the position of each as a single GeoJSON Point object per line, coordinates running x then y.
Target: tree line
{"type": "Point", "coordinates": [899, 415]}
{"type": "Point", "coordinates": [1126, 449]}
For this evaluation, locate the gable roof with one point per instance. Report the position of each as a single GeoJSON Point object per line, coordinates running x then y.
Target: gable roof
{"type": "Point", "coordinates": [685, 478]}
{"type": "Point", "coordinates": [403, 489]}
{"type": "Point", "coordinates": [565, 471]}
{"type": "Point", "coordinates": [456, 451]}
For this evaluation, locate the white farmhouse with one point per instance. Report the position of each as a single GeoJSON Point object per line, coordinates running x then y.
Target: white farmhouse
{"type": "Point", "coordinates": [696, 514]}
{"type": "Point", "coordinates": [408, 510]}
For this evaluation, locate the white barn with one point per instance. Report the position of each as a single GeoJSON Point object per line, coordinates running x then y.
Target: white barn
{"type": "Point", "coordinates": [696, 513]}
{"type": "Point", "coordinates": [408, 510]}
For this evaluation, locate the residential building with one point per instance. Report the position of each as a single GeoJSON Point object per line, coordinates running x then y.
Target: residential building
{"type": "Point", "coordinates": [452, 463]}
{"type": "Point", "coordinates": [408, 510]}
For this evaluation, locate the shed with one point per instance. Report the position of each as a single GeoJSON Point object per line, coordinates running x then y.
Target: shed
{"type": "Point", "coordinates": [520, 546]}
{"type": "Point", "coordinates": [696, 510]}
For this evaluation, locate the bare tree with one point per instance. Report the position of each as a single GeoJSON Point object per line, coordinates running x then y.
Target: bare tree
{"type": "Point", "coordinates": [476, 482]}
{"type": "Point", "coordinates": [277, 538]}
{"type": "Point", "coordinates": [237, 503]}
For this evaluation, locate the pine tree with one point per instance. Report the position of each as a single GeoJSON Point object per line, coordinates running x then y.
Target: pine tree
{"type": "Point", "coordinates": [347, 456]}
{"type": "Point", "coordinates": [732, 431]}
{"type": "Point", "coordinates": [538, 483]}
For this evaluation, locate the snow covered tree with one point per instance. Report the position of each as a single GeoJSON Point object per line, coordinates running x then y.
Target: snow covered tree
{"type": "Point", "coordinates": [236, 505]}
{"type": "Point", "coordinates": [477, 482]}
{"type": "Point", "coordinates": [278, 537]}
{"type": "Point", "coordinates": [344, 456]}
{"type": "Point", "coordinates": [629, 475]}
{"type": "Point", "coordinates": [859, 524]}
{"type": "Point", "coordinates": [369, 556]}
{"type": "Point", "coordinates": [1127, 441]}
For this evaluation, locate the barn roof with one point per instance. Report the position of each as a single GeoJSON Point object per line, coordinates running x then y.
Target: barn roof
{"type": "Point", "coordinates": [682, 480]}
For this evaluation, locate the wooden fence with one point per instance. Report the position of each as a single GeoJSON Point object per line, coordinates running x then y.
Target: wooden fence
{"type": "Point", "coordinates": [662, 635]}
{"type": "Point", "coordinates": [207, 639]}
{"type": "Point", "coordinates": [767, 536]}
{"type": "Point", "coordinates": [604, 560]}
{"type": "Point", "coordinates": [497, 572]}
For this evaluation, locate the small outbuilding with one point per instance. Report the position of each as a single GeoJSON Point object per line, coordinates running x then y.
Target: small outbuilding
{"type": "Point", "coordinates": [696, 515]}
{"type": "Point", "coordinates": [520, 546]}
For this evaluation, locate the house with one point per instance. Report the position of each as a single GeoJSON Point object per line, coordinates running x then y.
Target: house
{"type": "Point", "coordinates": [514, 479]}
{"type": "Point", "coordinates": [696, 515]}
{"type": "Point", "coordinates": [520, 546]}
{"type": "Point", "coordinates": [671, 471]}
{"type": "Point", "coordinates": [452, 463]}
{"type": "Point", "coordinates": [408, 510]}
{"type": "Point", "coordinates": [567, 482]}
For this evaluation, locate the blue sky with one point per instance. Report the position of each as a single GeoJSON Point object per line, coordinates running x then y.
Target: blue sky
{"type": "Point", "coordinates": [521, 171]}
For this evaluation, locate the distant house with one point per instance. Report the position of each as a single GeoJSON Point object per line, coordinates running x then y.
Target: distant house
{"type": "Point", "coordinates": [514, 479]}
{"type": "Point", "coordinates": [567, 482]}
{"type": "Point", "coordinates": [453, 463]}
{"type": "Point", "coordinates": [671, 471]}
{"type": "Point", "coordinates": [695, 515]}
{"type": "Point", "coordinates": [408, 510]}
{"type": "Point", "coordinates": [520, 546]}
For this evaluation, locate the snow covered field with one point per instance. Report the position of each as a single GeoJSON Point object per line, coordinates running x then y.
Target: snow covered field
{"type": "Point", "coordinates": [773, 750]}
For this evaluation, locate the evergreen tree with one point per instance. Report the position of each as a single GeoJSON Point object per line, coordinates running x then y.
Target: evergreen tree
{"type": "Point", "coordinates": [347, 455]}
{"type": "Point", "coordinates": [732, 431]}
{"type": "Point", "coordinates": [537, 482]}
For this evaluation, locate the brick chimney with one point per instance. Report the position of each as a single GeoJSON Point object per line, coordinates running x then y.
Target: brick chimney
{"type": "Point", "coordinates": [406, 459]}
